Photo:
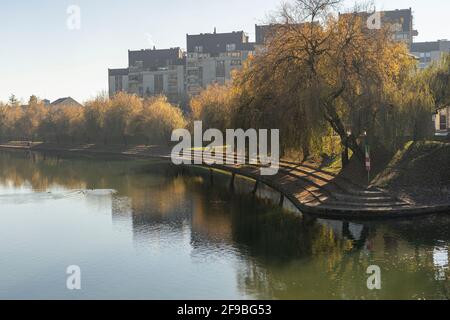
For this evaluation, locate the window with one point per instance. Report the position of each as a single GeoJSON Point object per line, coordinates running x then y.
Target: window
{"type": "Point", "coordinates": [220, 69]}
{"type": "Point", "coordinates": [236, 62]}
{"type": "Point", "coordinates": [198, 49]}
{"type": "Point", "coordinates": [401, 36]}
{"type": "Point", "coordinates": [134, 78]}
{"type": "Point", "coordinates": [118, 83]}
{"type": "Point", "coordinates": [233, 54]}
{"type": "Point", "coordinates": [200, 74]}
{"type": "Point", "coordinates": [443, 124]}
{"type": "Point", "coordinates": [159, 84]}
{"type": "Point", "coordinates": [192, 73]}
{"type": "Point", "coordinates": [231, 47]}
{"type": "Point", "coordinates": [173, 83]}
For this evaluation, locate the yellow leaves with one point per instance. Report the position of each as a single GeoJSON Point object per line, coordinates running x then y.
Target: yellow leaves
{"type": "Point", "coordinates": [214, 106]}
{"type": "Point", "coordinates": [159, 118]}
{"type": "Point", "coordinates": [123, 115]}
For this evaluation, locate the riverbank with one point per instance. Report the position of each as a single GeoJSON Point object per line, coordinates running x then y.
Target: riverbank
{"type": "Point", "coordinates": [310, 189]}
{"type": "Point", "coordinates": [420, 172]}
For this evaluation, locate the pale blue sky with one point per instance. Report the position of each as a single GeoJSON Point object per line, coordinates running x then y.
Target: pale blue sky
{"type": "Point", "coordinates": [39, 55]}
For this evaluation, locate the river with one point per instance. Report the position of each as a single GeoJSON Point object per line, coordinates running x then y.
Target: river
{"type": "Point", "coordinates": [147, 230]}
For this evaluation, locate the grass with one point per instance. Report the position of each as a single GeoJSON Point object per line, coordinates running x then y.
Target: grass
{"type": "Point", "coordinates": [421, 170]}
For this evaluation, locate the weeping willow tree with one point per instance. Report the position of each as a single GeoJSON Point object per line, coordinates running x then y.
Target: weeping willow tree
{"type": "Point", "coordinates": [438, 77]}
{"type": "Point", "coordinates": [215, 106]}
{"type": "Point", "coordinates": [320, 75]}
{"type": "Point", "coordinates": [321, 71]}
{"type": "Point", "coordinates": [2, 121]}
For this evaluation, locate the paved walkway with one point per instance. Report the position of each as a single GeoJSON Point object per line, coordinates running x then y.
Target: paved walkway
{"type": "Point", "coordinates": [310, 189]}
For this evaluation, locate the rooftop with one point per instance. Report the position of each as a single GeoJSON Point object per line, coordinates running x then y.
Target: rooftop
{"type": "Point", "coordinates": [118, 72]}
{"type": "Point", "coordinates": [440, 45]}
{"type": "Point", "coordinates": [152, 59]}
{"type": "Point", "coordinates": [216, 43]}
{"type": "Point", "coordinates": [65, 101]}
{"type": "Point", "coordinates": [402, 17]}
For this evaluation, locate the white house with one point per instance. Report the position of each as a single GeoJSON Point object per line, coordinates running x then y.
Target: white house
{"type": "Point", "coordinates": [442, 120]}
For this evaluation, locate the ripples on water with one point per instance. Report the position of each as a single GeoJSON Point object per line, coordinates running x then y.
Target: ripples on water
{"type": "Point", "coordinates": [142, 229]}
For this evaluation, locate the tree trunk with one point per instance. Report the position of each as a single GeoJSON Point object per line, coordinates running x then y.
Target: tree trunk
{"type": "Point", "coordinates": [336, 123]}
{"type": "Point", "coordinates": [345, 156]}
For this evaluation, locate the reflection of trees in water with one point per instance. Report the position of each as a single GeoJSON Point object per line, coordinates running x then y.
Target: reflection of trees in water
{"type": "Point", "coordinates": [316, 261]}
{"type": "Point", "coordinates": [295, 257]}
{"type": "Point", "coordinates": [282, 255]}
{"type": "Point", "coordinates": [41, 172]}
{"type": "Point", "coordinates": [184, 201]}
{"type": "Point", "coordinates": [430, 231]}
{"type": "Point", "coordinates": [291, 256]}
{"type": "Point", "coordinates": [30, 169]}
{"type": "Point", "coordinates": [422, 247]}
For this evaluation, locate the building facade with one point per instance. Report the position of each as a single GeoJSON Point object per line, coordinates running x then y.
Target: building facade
{"type": "Point", "coordinates": [400, 22]}
{"type": "Point", "coordinates": [150, 73]}
{"type": "Point", "coordinates": [212, 57]}
{"type": "Point", "coordinates": [118, 81]}
{"type": "Point", "coordinates": [429, 52]}
{"type": "Point", "coordinates": [442, 120]}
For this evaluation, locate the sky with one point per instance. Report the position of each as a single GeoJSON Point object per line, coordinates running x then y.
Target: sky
{"type": "Point", "coordinates": [41, 55]}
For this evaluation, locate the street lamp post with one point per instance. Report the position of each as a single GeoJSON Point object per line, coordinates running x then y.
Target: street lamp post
{"type": "Point", "coordinates": [368, 158]}
{"type": "Point", "coordinates": [345, 157]}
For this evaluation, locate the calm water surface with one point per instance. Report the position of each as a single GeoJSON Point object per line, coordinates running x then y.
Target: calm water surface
{"type": "Point", "coordinates": [142, 230]}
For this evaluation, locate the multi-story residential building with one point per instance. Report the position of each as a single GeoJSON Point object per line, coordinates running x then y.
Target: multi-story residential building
{"type": "Point", "coordinates": [151, 72]}
{"type": "Point", "coordinates": [118, 81]}
{"type": "Point", "coordinates": [399, 21]}
{"type": "Point", "coordinates": [402, 25]}
{"type": "Point", "coordinates": [262, 32]}
{"type": "Point", "coordinates": [429, 52]}
{"type": "Point", "coordinates": [212, 57]}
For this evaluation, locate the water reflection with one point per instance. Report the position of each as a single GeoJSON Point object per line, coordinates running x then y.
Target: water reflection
{"type": "Point", "coordinates": [188, 228]}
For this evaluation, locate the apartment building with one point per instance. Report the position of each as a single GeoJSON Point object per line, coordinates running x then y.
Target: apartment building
{"type": "Point", "coordinates": [118, 81]}
{"type": "Point", "coordinates": [151, 72]}
{"type": "Point", "coordinates": [212, 57]}
{"type": "Point", "coordinates": [429, 52]}
{"type": "Point", "coordinates": [262, 32]}
{"type": "Point", "coordinates": [399, 21]}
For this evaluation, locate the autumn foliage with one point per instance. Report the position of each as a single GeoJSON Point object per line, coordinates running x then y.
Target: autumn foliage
{"type": "Point", "coordinates": [323, 79]}
{"type": "Point", "coordinates": [325, 75]}
{"type": "Point", "coordinates": [122, 119]}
